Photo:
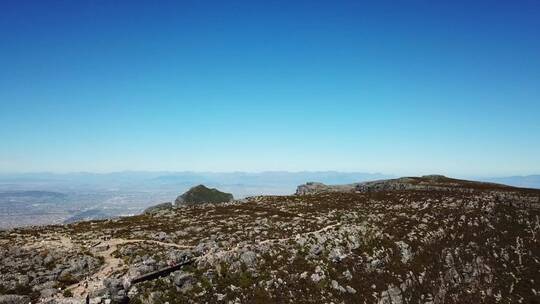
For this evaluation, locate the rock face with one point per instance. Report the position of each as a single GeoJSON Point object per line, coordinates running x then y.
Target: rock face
{"type": "Point", "coordinates": [315, 188]}
{"type": "Point", "coordinates": [201, 194]}
{"type": "Point", "coordinates": [426, 182]}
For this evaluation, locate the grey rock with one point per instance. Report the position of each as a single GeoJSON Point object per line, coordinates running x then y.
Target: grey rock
{"type": "Point", "coordinates": [350, 289]}
{"type": "Point", "coordinates": [249, 258]}
{"type": "Point", "coordinates": [315, 188]}
{"type": "Point", "coordinates": [115, 288]}
{"type": "Point", "coordinates": [183, 280]}
{"type": "Point", "coordinates": [45, 293]}
{"type": "Point", "coordinates": [347, 274]}
{"type": "Point", "coordinates": [14, 299]}
{"type": "Point", "coordinates": [336, 255]}
{"type": "Point", "coordinates": [316, 277]}
{"type": "Point", "coordinates": [336, 286]}
{"type": "Point", "coordinates": [316, 249]}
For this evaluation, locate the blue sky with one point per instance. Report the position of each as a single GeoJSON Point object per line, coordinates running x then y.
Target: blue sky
{"type": "Point", "coordinates": [399, 87]}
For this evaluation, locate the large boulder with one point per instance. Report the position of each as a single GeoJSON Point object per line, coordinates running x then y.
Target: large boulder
{"type": "Point", "coordinates": [201, 194]}
{"type": "Point", "coordinates": [183, 280]}
{"type": "Point", "coordinates": [116, 291]}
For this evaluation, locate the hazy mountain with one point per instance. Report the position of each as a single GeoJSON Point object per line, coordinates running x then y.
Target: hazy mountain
{"type": "Point", "coordinates": [99, 195]}
{"type": "Point", "coordinates": [528, 181]}
{"type": "Point", "coordinates": [46, 198]}
{"type": "Point", "coordinates": [239, 183]}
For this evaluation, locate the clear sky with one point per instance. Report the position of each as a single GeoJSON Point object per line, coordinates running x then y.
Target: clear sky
{"type": "Point", "coordinates": [400, 87]}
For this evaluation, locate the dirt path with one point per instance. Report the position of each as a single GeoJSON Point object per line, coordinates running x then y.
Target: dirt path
{"type": "Point", "coordinates": [58, 241]}
{"type": "Point", "coordinates": [111, 264]}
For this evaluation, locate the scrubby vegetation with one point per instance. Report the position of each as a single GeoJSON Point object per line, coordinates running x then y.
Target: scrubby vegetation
{"type": "Point", "coordinates": [434, 245]}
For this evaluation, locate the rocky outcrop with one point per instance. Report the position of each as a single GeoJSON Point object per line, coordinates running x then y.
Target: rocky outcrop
{"type": "Point", "coordinates": [201, 194]}
{"type": "Point", "coordinates": [316, 188]}
{"type": "Point", "coordinates": [158, 208]}
{"type": "Point", "coordinates": [423, 183]}
{"type": "Point", "coordinates": [426, 182]}
{"type": "Point", "coordinates": [116, 291]}
{"type": "Point", "coordinates": [42, 268]}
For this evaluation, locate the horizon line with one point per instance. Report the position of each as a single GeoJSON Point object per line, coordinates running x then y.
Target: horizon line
{"type": "Point", "coordinates": [390, 175]}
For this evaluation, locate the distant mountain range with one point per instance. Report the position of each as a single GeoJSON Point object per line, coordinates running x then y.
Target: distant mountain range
{"type": "Point", "coordinates": [46, 198]}
{"type": "Point", "coordinates": [277, 182]}
{"type": "Point", "coordinates": [529, 181]}
{"type": "Point", "coordinates": [239, 183]}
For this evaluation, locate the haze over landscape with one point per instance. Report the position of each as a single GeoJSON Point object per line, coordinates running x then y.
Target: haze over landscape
{"type": "Point", "coordinates": [395, 88]}
{"type": "Point", "coordinates": [269, 152]}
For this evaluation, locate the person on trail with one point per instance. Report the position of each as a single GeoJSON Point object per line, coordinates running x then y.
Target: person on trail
{"type": "Point", "coordinates": [87, 299]}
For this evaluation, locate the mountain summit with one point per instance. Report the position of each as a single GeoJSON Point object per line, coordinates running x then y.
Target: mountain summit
{"type": "Point", "coordinates": [202, 194]}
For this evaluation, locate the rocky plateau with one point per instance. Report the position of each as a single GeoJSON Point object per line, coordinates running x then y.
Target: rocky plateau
{"type": "Point", "coordinates": [426, 239]}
